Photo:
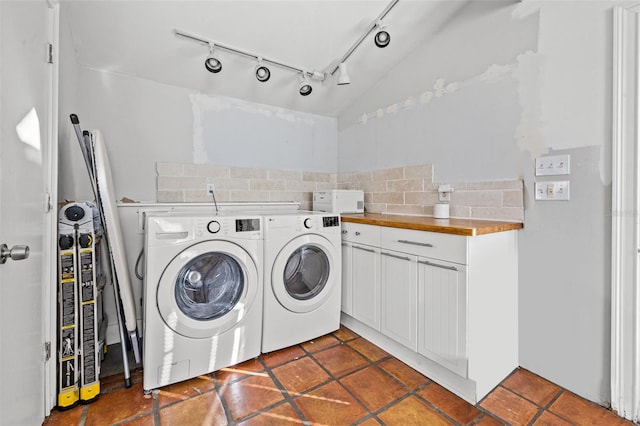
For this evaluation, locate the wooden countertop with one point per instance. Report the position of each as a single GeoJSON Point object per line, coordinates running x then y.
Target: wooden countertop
{"type": "Point", "coordinates": [467, 227]}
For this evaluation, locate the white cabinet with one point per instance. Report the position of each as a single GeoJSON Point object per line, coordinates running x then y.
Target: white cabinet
{"type": "Point", "coordinates": [442, 313]}
{"type": "Point", "coordinates": [365, 273]}
{"type": "Point", "coordinates": [361, 273]}
{"type": "Point", "coordinates": [347, 283]}
{"type": "Point", "coordinates": [444, 304]}
{"type": "Point", "coordinates": [398, 276]}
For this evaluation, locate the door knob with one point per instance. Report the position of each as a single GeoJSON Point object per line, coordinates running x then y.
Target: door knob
{"type": "Point", "coordinates": [15, 253]}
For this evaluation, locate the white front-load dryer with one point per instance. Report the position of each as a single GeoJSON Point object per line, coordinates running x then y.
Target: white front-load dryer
{"type": "Point", "coordinates": [203, 290]}
{"type": "Point", "coordinates": [302, 278]}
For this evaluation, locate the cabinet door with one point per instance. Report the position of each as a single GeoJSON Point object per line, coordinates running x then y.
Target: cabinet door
{"type": "Point", "coordinates": [366, 285]}
{"type": "Point", "coordinates": [442, 313]}
{"type": "Point", "coordinates": [398, 277]}
{"type": "Point", "coordinates": [347, 281]}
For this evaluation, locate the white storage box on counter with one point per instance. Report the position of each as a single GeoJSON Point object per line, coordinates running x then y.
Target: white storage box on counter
{"type": "Point", "coordinates": [339, 201]}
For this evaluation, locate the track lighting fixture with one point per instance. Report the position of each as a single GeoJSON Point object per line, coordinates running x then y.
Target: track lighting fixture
{"type": "Point", "coordinates": [304, 87]}
{"type": "Point", "coordinates": [212, 63]}
{"type": "Point", "coordinates": [262, 72]}
{"type": "Point", "coordinates": [382, 37]}
{"type": "Point", "coordinates": [343, 76]}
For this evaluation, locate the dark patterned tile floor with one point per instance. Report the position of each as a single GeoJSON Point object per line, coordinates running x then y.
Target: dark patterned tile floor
{"type": "Point", "coordinates": [338, 379]}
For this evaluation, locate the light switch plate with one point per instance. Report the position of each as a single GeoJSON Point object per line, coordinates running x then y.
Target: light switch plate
{"type": "Point", "coordinates": [553, 165]}
{"type": "Point", "coordinates": [552, 191]}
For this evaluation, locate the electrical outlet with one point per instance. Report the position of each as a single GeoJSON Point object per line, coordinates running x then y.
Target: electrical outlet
{"type": "Point", "coordinates": [552, 191]}
{"type": "Point", "coordinates": [552, 165]}
{"type": "Point", "coordinates": [210, 188]}
{"type": "Point", "coordinates": [444, 193]}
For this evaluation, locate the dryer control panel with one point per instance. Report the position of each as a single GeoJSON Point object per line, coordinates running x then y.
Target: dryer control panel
{"type": "Point", "coordinates": [329, 221]}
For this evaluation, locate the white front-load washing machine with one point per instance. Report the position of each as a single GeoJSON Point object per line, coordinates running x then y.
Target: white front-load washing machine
{"type": "Point", "coordinates": [302, 278]}
{"type": "Point", "coordinates": [203, 290]}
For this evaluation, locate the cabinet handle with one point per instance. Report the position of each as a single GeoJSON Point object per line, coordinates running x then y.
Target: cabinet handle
{"type": "Point", "coordinates": [364, 249]}
{"type": "Point", "coordinates": [357, 233]}
{"type": "Point", "coordinates": [415, 243]}
{"type": "Point", "coordinates": [344, 232]}
{"type": "Point", "coordinates": [396, 256]}
{"type": "Point", "coordinates": [424, 262]}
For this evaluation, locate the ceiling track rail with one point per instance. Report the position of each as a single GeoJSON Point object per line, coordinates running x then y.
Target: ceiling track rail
{"type": "Point", "coordinates": [315, 75]}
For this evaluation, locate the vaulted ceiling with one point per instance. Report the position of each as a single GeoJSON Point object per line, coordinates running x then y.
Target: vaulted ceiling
{"type": "Point", "coordinates": [136, 38]}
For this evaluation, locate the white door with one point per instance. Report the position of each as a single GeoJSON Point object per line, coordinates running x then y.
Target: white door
{"type": "Point", "coordinates": [26, 120]}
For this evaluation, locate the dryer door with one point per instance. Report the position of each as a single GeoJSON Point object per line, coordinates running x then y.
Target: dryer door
{"type": "Point", "coordinates": [305, 272]}
{"type": "Point", "coordinates": [207, 289]}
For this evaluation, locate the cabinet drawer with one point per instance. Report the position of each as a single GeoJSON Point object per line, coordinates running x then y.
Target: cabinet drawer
{"type": "Point", "coordinates": [452, 248]}
{"type": "Point", "coordinates": [359, 233]}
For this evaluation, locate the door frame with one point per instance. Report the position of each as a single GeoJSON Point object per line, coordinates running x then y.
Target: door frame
{"type": "Point", "coordinates": [50, 246]}
{"type": "Point", "coordinates": [625, 213]}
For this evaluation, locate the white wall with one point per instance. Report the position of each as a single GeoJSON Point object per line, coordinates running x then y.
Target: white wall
{"type": "Point", "coordinates": [496, 88]}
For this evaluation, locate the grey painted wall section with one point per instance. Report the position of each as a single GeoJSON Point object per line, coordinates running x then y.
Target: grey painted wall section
{"type": "Point", "coordinates": [540, 84]}
{"type": "Point", "coordinates": [229, 131]}
{"type": "Point", "coordinates": [144, 122]}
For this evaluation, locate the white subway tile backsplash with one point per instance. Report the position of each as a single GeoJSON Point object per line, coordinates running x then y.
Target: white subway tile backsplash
{"type": "Point", "coordinates": [207, 170]}
{"type": "Point", "coordinates": [388, 174]}
{"type": "Point", "coordinates": [400, 190]}
{"type": "Point", "coordinates": [388, 197]}
{"type": "Point", "coordinates": [235, 195]}
{"type": "Point", "coordinates": [284, 175]}
{"type": "Point", "coordinates": [266, 185]}
{"type": "Point", "coordinates": [181, 182]}
{"type": "Point", "coordinates": [293, 196]}
{"type": "Point", "coordinates": [405, 209]}
{"type": "Point", "coordinates": [490, 198]}
{"type": "Point", "coordinates": [176, 196]}
{"type": "Point", "coordinates": [423, 198]}
{"type": "Point", "coordinates": [403, 185]}
{"type": "Point", "coordinates": [316, 176]}
{"type": "Point", "coordinates": [238, 184]}
{"type": "Point", "coordinates": [197, 196]}
{"type": "Point", "coordinates": [512, 198]}
{"type": "Point", "coordinates": [249, 173]}
{"type": "Point", "coordinates": [423, 172]}
{"type": "Point", "coordinates": [377, 186]}
{"type": "Point", "coordinates": [296, 185]}
{"type": "Point", "coordinates": [324, 186]}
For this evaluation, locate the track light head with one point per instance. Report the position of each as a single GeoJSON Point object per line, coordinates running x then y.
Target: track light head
{"type": "Point", "coordinates": [343, 76]}
{"type": "Point", "coordinates": [304, 87]}
{"type": "Point", "coordinates": [212, 63]}
{"type": "Point", "coordinates": [382, 37]}
{"type": "Point", "coordinates": [262, 72]}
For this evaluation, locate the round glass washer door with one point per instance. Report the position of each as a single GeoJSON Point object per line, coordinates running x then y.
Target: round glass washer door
{"type": "Point", "coordinates": [207, 289]}
{"type": "Point", "coordinates": [305, 273]}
